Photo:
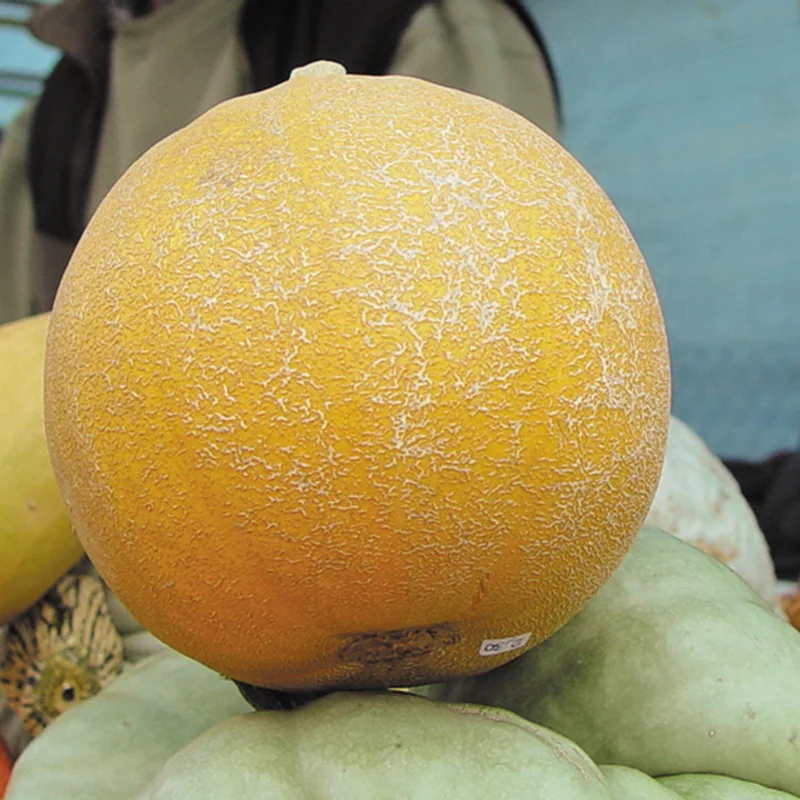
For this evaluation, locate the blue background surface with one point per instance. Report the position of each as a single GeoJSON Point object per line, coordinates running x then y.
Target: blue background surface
{"type": "Point", "coordinates": [688, 114]}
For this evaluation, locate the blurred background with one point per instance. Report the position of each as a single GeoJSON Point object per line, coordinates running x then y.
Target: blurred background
{"type": "Point", "coordinates": [688, 114]}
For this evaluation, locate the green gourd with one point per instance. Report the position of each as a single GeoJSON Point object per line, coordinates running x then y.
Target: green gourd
{"type": "Point", "coordinates": [111, 745]}
{"type": "Point", "coordinates": [675, 666]}
{"type": "Point", "coordinates": [626, 783]}
{"type": "Point", "coordinates": [390, 745]}
{"type": "Point", "coordinates": [170, 728]}
{"type": "Point", "coordinates": [719, 787]}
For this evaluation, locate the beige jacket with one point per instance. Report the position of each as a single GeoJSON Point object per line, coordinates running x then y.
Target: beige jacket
{"type": "Point", "coordinates": [158, 84]}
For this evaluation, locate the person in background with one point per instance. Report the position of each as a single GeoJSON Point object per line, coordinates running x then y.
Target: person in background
{"type": "Point", "coordinates": [134, 71]}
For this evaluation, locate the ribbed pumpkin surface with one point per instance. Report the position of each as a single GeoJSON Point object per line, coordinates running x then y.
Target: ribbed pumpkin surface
{"type": "Point", "coordinates": [353, 377]}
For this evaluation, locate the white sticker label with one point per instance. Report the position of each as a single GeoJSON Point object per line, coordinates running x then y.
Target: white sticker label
{"type": "Point", "coordinates": [493, 647]}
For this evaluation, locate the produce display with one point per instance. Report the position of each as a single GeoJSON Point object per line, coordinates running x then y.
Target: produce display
{"type": "Point", "coordinates": [356, 394]}
{"type": "Point", "coordinates": [598, 711]}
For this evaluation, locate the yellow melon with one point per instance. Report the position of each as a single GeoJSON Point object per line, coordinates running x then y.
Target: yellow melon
{"type": "Point", "coordinates": [37, 543]}
{"type": "Point", "coordinates": [356, 382]}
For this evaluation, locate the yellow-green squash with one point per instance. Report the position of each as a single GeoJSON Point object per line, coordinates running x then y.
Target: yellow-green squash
{"type": "Point", "coordinates": [37, 544]}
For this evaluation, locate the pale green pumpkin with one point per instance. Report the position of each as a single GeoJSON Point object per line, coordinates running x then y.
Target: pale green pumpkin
{"type": "Point", "coordinates": [719, 787]}
{"type": "Point", "coordinates": [626, 783]}
{"type": "Point", "coordinates": [675, 666]}
{"type": "Point", "coordinates": [110, 746]}
{"type": "Point", "coordinates": [379, 746]}
{"type": "Point", "coordinates": [342, 747]}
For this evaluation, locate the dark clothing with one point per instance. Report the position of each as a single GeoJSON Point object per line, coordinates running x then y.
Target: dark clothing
{"type": "Point", "coordinates": [772, 488]}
